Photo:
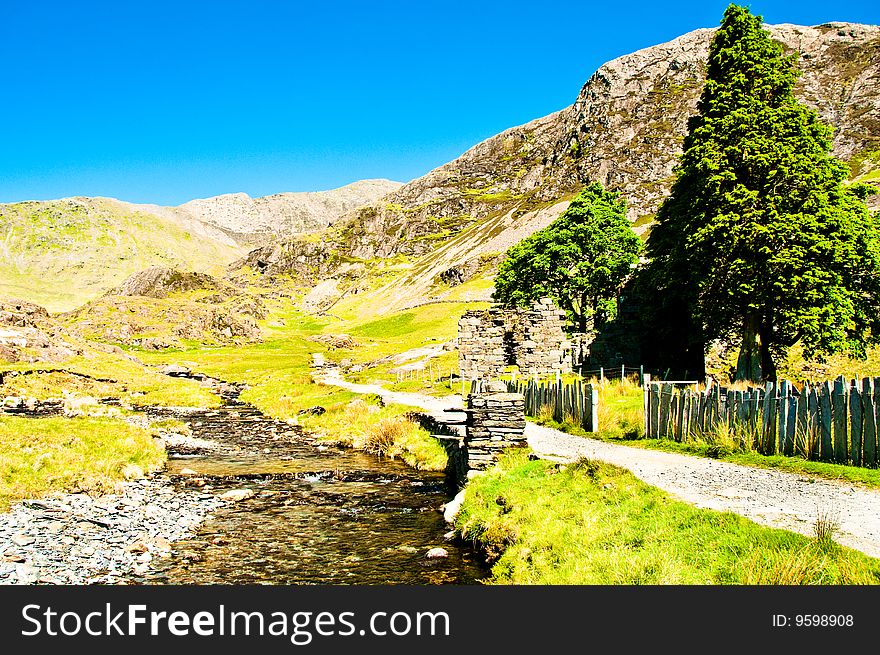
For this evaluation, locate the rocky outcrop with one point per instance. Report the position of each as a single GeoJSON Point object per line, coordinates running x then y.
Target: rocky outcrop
{"type": "Point", "coordinates": [160, 308]}
{"type": "Point", "coordinates": [160, 282]}
{"type": "Point", "coordinates": [255, 221]}
{"type": "Point", "coordinates": [27, 334]}
{"type": "Point", "coordinates": [626, 127]}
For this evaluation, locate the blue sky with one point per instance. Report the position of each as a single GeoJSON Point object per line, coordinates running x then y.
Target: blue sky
{"type": "Point", "coordinates": [168, 101]}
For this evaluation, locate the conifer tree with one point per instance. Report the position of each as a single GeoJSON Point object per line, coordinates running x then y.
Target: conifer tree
{"type": "Point", "coordinates": [760, 243]}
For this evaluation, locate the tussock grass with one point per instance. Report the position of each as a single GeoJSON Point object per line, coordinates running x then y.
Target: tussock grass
{"type": "Point", "coordinates": [44, 455]}
{"type": "Point", "coordinates": [382, 431]}
{"type": "Point", "coordinates": [593, 523]}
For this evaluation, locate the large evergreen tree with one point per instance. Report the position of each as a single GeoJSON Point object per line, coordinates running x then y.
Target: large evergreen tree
{"type": "Point", "coordinates": [580, 260]}
{"type": "Point", "coordinates": [760, 244]}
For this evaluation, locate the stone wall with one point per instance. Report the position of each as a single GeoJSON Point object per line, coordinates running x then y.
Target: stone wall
{"type": "Point", "coordinates": [532, 339]}
{"type": "Point", "coordinates": [496, 421]}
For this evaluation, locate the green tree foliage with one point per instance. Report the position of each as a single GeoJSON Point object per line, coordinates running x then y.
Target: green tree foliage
{"type": "Point", "coordinates": [580, 260]}
{"type": "Point", "coordinates": [760, 244]}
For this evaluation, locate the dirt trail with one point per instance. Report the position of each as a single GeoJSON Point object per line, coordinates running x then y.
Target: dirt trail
{"type": "Point", "coordinates": [773, 498]}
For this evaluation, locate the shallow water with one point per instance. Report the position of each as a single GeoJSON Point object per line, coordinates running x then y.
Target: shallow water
{"type": "Point", "coordinates": [331, 516]}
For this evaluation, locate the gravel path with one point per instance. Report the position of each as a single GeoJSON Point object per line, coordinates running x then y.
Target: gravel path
{"type": "Point", "coordinates": [772, 498]}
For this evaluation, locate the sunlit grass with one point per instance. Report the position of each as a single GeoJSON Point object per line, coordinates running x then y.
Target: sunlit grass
{"type": "Point", "coordinates": [117, 378]}
{"type": "Point", "coordinates": [43, 455]}
{"type": "Point", "coordinates": [383, 431]}
{"type": "Point", "coordinates": [593, 523]}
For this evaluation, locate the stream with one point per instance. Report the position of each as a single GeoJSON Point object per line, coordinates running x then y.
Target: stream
{"type": "Point", "coordinates": [318, 515]}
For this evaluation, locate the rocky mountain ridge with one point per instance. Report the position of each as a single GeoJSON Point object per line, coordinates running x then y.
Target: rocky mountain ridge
{"type": "Point", "coordinates": [257, 220]}
{"type": "Point", "coordinates": [625, 130]}
{"type": "Point", "coordinates": [62, 253]}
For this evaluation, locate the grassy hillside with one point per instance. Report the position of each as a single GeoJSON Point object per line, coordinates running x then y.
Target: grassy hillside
{"type": "Point", "coordinates": [62, 253]}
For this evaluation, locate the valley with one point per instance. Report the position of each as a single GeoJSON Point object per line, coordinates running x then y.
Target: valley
{"type": "Point", "coordinates": [246, 362]}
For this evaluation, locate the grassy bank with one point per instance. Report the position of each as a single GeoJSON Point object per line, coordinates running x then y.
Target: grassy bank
{"type": "Point", "coordinates": [57, 454]}
{"type": "Point", "coordinates": [621, 421]}
{"type": "Point", "coordinates": [384, 431]}
{"type": "Point", "coordinates": [593, 523]}
{"type": "Point", "coordinates": [117, 377]}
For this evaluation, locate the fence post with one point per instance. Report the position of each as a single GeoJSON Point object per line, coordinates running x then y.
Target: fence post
{"type": "Point", "coordinates": [655, 410]}
{"type": "Point", "coordinates": [679, 415]}
{"type": "Point", "coordinates": [665, 407]}
{"type": "Point", "coordinates": [782, 415]}
{"type": "Point", "coordinates": [594, 408]}
{"type": "Point", "coordinates": [869, 434]}
{"type": "Point", "coordinates": [839, 403]}
{"type": "Point", "coordinates": [768, 423]}
{"type": "Point", "coordinates": [855, 417]}
{"type": "Point", "coordinates": [646, 384]}
{"type": "Point", "coordinates": [694, 413]}
{"type": "Point", "coordinates": [826, 450]}
{"type": "Point", "coordinates": [792, 409]}
{"type": "Point", "coordinates": [558, 404]}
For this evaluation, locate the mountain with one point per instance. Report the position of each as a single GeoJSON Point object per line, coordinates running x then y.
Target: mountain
{"type": "Point", "coordinates": [63, 253]}
{"type": "Point", "coordinates": [257, 220]}
{"type": "Point", "coordinates": [625, 129]}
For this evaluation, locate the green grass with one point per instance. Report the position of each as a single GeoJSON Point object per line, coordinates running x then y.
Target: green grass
{"type": "Point", "coordinates": [593, 523]}
{"type": "Point", "coordinates": [487, 196]}
{"type": "Point", "coordinates": [45, 455]}
{"type": "Point", "coordinates": [644, 219]}
{"type": "Point", "coordinates": [427, 324]}
{"type": "Point", "coordinates": [130, 381]}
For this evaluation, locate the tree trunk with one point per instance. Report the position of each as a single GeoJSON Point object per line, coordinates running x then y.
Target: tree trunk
{"type": "Point", "coordinates": [579, 312]}
{"type": "Point", "coordinates": [768, 366]}
{"type": "Point", "coordinates": [750, 361]}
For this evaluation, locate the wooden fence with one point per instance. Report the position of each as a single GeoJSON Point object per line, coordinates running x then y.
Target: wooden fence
{"type": "Point", "coordinates": [829, 421]}
{"type": "Point", "coordinates": [614, 373]}
{"type": "Point", "coordinates": [576, 401]}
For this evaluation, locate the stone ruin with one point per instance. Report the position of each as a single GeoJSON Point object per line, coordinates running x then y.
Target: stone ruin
{"type": "Point", "coordinates": [533, 339]}
{"type": "Point", "coordinates": [495, 421]}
